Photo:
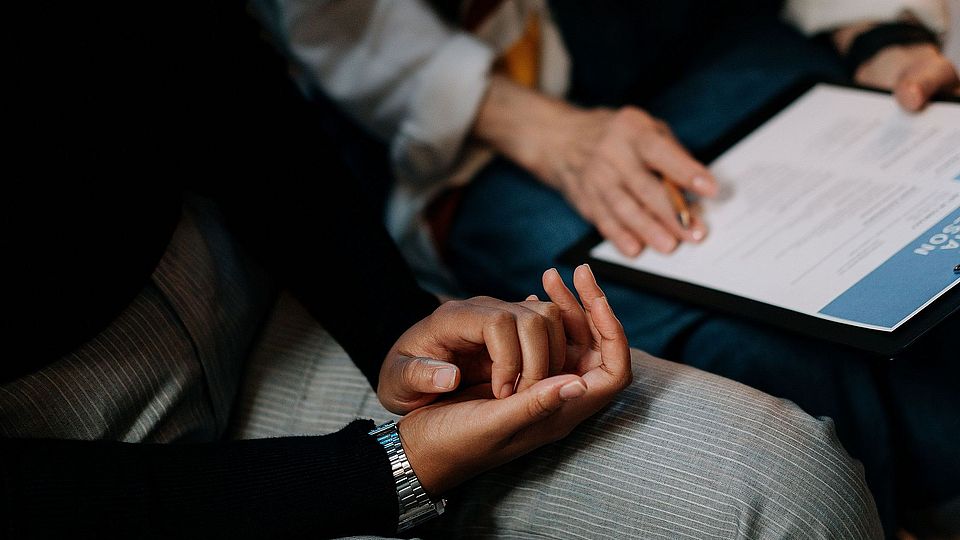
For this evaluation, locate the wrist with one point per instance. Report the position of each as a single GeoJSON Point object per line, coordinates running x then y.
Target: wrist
{"type": "Point", "coordinates": [862, 46]}
{"type": "Point", "coordinates": [843, 38]}
{"type": "Point", "coordinates": [414, 503]}
{"type": "Point", "coordinates": [520, 123]}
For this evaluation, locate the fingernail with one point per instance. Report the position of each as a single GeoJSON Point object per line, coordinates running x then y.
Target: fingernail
{"type": "Point", "coordinates": [698, 234]}
{"type": "Point", "coordinates": [506, 390]}
{"type": "Point", "coordinates": [445, 378]}
{"type": "Point", "coordinates": [702, 185]}
{"type": "Point", "coordinates": [572, 390]}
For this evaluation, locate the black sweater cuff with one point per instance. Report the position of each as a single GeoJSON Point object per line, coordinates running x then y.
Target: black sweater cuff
{"type": "Point", "coordinates": [334, 485]}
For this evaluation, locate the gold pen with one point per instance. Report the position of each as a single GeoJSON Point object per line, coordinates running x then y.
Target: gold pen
{"type": "Point", "coordinates": [678, 201]}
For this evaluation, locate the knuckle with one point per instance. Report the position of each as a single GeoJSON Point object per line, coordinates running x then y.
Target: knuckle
{"type": "Point", "coordinates": [532, 322]}
{"type": "Point", "coordinates": [447, 308]}
{"type": "Point", "coordinates": [551, 311]}
{"type": "Point", "coordinates": [538, 408]}
{"type": "Point", "coordinates": [409, 373]}
{"type": "Point", "coordinates": [656, 143]}
{"type": "Point", "coordinates": [634, 115]}
{"type": "Point", "coordinates": [502, 318]}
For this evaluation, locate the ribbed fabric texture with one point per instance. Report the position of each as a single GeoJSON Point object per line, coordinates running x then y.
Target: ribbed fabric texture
{"type": "Point", "coordinates": [304, 486]}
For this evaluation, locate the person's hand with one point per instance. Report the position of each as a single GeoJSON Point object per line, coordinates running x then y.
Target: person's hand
{"type": "Point", "coordinates": [608, 163]}
{"type": "Point", "coordinates": [467, 342]}
{"type": "Point", "coordinates": [915, 73]}
{"type": "Point", "coordinates": [452, 440]}
{"type": "Point", "coordinates": [485, 340]}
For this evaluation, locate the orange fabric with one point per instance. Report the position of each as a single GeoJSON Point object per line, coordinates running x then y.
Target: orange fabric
{"type": "Point", "coordinates": [521, 63]}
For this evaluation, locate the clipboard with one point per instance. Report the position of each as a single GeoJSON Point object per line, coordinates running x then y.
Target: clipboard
{"type": "Point", "coordinates": [885, 344]}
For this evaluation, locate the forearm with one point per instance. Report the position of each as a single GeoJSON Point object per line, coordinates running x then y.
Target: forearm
{"type": "Point", "coordinates": [520, 123]}
{"type": "Point", "coordinates": [334, 485]}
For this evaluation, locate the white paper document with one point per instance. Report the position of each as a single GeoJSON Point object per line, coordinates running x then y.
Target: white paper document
{"type": "Point", "coordinates": [842, 207]}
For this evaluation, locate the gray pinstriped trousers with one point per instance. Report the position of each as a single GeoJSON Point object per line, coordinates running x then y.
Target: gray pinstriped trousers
{"type": "Point", "coordinates": [680, 454]}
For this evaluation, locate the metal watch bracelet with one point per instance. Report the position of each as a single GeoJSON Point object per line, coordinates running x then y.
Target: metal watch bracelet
{"type": "Point", "coordinates": [416, 507]}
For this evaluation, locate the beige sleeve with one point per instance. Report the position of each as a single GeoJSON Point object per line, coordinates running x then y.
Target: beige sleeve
{"type": "Point", "coordinates": [814, 16]}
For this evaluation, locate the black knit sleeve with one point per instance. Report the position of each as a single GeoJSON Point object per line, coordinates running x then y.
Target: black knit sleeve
{"type": "Point", "coordinates": [328, 486]}
{"type": "Point", "coordinates": [337, 260]}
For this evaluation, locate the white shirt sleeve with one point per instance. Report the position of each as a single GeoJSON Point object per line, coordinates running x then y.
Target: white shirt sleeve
{"type": "Point", "coordinates": [814, 16]}
{"type": "Point", "coordinates": [393, 66]}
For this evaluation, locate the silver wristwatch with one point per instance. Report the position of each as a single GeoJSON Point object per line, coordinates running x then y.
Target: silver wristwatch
{"type": "Point", "coordinates": [416, 507]}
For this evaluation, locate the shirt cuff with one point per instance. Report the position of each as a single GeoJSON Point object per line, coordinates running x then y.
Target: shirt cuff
{"type": "Point", "coordinates": [815, 16]}
{"type": "Point", "coordinates": [446, 99]}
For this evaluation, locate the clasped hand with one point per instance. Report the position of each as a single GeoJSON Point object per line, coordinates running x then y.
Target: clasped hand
{"type": "Point", "coordinates": [483, 381]}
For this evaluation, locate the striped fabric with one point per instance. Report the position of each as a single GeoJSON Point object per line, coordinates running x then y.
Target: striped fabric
{"type": "Point", "coordinates": [680, 454]}
{"type": "Point", "coordinates": [168, 367]}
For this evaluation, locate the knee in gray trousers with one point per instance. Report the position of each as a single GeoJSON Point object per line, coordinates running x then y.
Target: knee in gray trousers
{"type": "Point", "coordinates": [680, 454]}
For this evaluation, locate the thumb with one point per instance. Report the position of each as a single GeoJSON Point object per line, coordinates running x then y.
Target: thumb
{"type": "Point", "coordinates": [412, 382]}
{"type": "Point", "coordinates": [532, 405]}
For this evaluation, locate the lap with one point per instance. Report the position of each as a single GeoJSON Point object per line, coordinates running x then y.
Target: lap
{"type": "Point", "coordinates": [681, 452]}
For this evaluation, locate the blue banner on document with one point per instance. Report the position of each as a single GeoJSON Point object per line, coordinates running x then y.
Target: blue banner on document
{"type": "Point", "coordinates": [906, 281]}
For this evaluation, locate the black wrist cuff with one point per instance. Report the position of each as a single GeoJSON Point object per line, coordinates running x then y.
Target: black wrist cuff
{"type": "Point", "coordinates": [869, 43]}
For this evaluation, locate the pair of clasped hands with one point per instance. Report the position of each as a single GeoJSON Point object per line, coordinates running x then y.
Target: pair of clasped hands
{"type": "Point", "coordinates": [483, 381]}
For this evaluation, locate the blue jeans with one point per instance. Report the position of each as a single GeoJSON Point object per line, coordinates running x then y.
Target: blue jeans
{"type": "Point", "coordinates": [900, 417]}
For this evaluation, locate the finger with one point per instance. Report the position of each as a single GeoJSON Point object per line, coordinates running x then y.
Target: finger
{"type": "Point", "coordinates": [527, 407]}
{"type": "Point", "coordinates": [587, 288]}
{"type": "Point", "coordinates": [614, 349]}
{"type": "Point", "coordinates": [660, 151]}
{"type": "Point", "coordinates": [638, 220]}
{"type": "Point", "coordinates": [535, 345]}
{"type": "Point", "coordinates": [644, 193]}
{"type": "Point", "coordinates": [698, 227]}
{"type": "Point", "coordinates": [594, 205]}
{"type": "Point", "coordinates": [503, 344]}
{"type": "Point", "coordinates": [534, 337]}
{"type": "Point", "coordinates": [461, 325]}
{"type": "Point", "coordinates": [575, 324]}
{"type": "Point", "coordinates": [652, 193]}
{"type": "Point", "coordinates": [557, 337]}
{"type": "Point", "coordinates": [414, 382]}
{"type": "Point", "coordinates": [533, 298]}
{"type": "Point", "coordinates": [918, 85]}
